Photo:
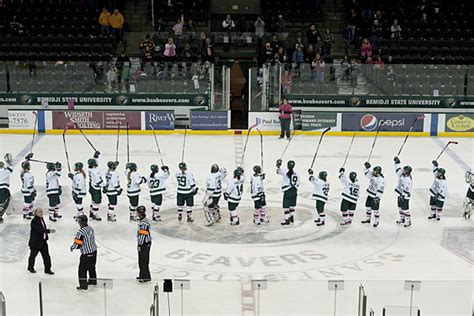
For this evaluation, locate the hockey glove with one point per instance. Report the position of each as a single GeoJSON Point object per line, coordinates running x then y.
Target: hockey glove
{"type": "Point", "coordinates": [367, 165]}
{"type": "Point", "coordinates": [396, 159]}
{"type": "Point", "coordinates": [278, 163]}
{"type": "Point", "coordinates": [70, 175]}
{"type": "Point", "coordinates": [435, 163]}
{"type": "Point", "coordinates": [29, 156]}
{"type": "Point", "coordinates": [223, 170]}
{"type": "Point", "coordinates": [143, 179]}
{"type": "Point", "coordinates": [60, 189]}
{"type": "Point", "coordinates": [195, 191]}
{"type": "Point", "coordinates": [262, 176]}
{"type": "Point", "coordinates": [8, 159]}
{"type": "Point", "coordinates": [165, 168]}
{"type": "Point", "coordinates": [119, 192]}
{"type": "Point", "coordinates": [104, 190]}
{"type": "Point", "coordinates": [342, 170]}
{"type": "Point", "coordinates": [310, 171]}
{"type": "Point", "coordinates": [96, 154]}
{"type": "Point", "coordinates": [226, 196]}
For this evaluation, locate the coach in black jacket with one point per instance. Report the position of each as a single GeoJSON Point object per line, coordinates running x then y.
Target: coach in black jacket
{"type": "Point", "coordinates": [39, 242]}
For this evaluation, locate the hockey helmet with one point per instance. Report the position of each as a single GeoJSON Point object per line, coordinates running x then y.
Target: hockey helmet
{"type": "Point", "coordinates": [92, 163]}
{"type": "Point", "coordinates": [82, 220]}
{"type": "Point", "coordinates": [323, 175]}
{"type": "Point", "coordinates": [132, 166]}
{"type": "Point", "coordinates": [257, 169]}
{"type": "Point", "coordinates": [141, 211]}
{"type": "Point", "coordinates": [25, 165]}
{"type": "Point", "coordinates": [238, 172]}
{"type": "Point", "coordinates": [182, 166]}
{"type": "Point", "coordinates": [154, 168]}
{"type": "Point", "coordinates": [78, 166]}
{"type": "Point", "coordinates": [214, 168]}
{"type": "Point", "coordinates": [407, 170]}
{"type": "Point", "coordinates": [441, 172]}
{"type": "Point", "coordinates": [290, 164]}
{"type": "Point", "coordinates": [50, 166]}
{"type": "Point", "coordinates": [112, 165]}
{"type": "Point", "coordinates": [377, 170]}
{"type": "Point", "coordinates": [240, 169]}
{"type": "Point", "coordinates": [353, 176]}
{"type": "Point", "coordinates": [2, 164]}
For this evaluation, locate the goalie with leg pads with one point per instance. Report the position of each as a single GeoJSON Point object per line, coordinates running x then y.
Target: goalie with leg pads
{"type": "Point", "coordinates": [6, 169]}
{"type": "Point", "coordinates": [469, 202]}
{"type": "Point", "coordinates": [213, 192]}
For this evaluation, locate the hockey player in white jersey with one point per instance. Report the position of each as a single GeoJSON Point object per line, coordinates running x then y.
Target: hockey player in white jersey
{"type": "Point", "coordinates": [134, 180]}
{"type": "Point", "coordinates": [289, 187]}
{"type": "Point", "coordinates": [96, 183]}
{"type": "Point", "coordinates": [5, 173]}
{"type": "Point", "coordinates": [186, 191]}
{"type": "Point", "coordinates": [53, 189]}
{"type": "Point", "coordinates": [469, 202]}
{"type": "Point", "coordinates": [79, 189]}
{"type": "Point", "coordinates": [374, 193]}
{"type": "Point", "coordinates": [112, 189]}
{"type": "Point", "coordinates": [157, 186]}
{"type": "Point", "coordinates": [438, 191]}
{"type": "Point", "coordinates": [27, 189]}
{"type": "Point", "coordinates": [320, 194]}
{"type": "Point", "coordinates": [403, 189]}
{"type": "Point", "coordinates": [233, 194]}
{"type": "Point", "coordinates": [258, 196]}
{"type": "Point", "coordinates": [350, 194]}
{"type": "Point", "coordinates": [213, 194]}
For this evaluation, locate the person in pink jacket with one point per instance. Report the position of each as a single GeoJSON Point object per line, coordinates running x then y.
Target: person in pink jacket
{"type": "Point", "coordinates": [285, 110]}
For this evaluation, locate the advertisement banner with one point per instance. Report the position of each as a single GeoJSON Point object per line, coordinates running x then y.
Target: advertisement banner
{"type": "Point", "coordinates": [389, 122]}
{"type": "Point", "coordinates": [209, 120]}
{"type": "Point", "coordinates": [311, 121]}
{"type": "Point", "coordinates": [266, 121]}
{"type": "Point", "coordinates": [96, 120]}
{"type": "Point", "coordinates": [157, 120]}
{"type": "Point", "coordinates": [460, 122]}
{"type": "Point", "coordinates": [312, 100]}
{"type": "Point", "coordinates": [21, 119]}
{"type": "Point", "coordinates": [106, 99]}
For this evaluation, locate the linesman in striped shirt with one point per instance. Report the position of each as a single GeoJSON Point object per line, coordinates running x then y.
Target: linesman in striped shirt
{"type": "Point", "coordinates": [144, 245]}
{"type": "Point", "coordinates": [85, 242]}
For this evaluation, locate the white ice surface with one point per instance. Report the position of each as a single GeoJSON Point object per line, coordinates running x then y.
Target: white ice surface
{"type": "Point", "coordinates": [221, 260]}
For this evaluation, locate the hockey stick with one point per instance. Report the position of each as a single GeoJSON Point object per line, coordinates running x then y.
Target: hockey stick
{"type": "Point", "coordinates": [157, 146]}
{"type": "Point", "coordinates": [128, 144]}
{"type": "Point", "coordinates": [40, 161]}
{"type": "Point", "coordinates": [319, 144]}
{"type": "Point", "coordinates": [375, 140]}
{"type": "Point", "coordinates": [291, 138]}
{"type": "Point", "coordinates": [65, 149]}
{"type": "Point", "coordinates": [442, 151]}
{"type": "Point", "coordinates": [350, 146]}
{"type": "Point", "coordinates": [118, 140]}
{"type": "Point", "coordinates": [409, 131]}
{"type": "Point", "coordinates": [246, 142]}
{"type": "Point", "coordinates": [87, 139]}
{"type": "Point", "coordinates": [261, 147]}
{"type": "Point", "coordinates": [184, 142]}
{"type": "Point", "coordinates": [34, 131]}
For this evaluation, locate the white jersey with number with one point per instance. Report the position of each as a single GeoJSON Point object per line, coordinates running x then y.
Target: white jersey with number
{"type": "Point", "coordinates": [235, 189]}
{"type": "Point", "coordinates": [5, 177]}
{"type": "Point", "coordinates": [157, 183]}
{"type": "Point", "coordinates": [404, 184]}
{"type": "Point", "coordinates": [288, 182]}
{"type": "Point", "coordinates": [256, 187]}
{"type": "Point", "coordinates": [52, 182]}
{"type": "Point", "coordinates": [186, 183]}
{"type": "Point", "coordinates": [79, 185]}
{"type": "Point", "coordinates": [134, 182]}
{"type": "Point", "coordinates": [95, 178]}
{"type": "Point", "coordinates": [376, 184]}
{"type": "Point", "coordinates": [214, 183]}
{"type": "Point", "coordinates": [350, 191]}
{"type": "Point", "coordinates": [439, 188]}
{"type": "Point", "coordinates": [321, 189]}
{"type": "Point", "coordinates": [112, 182]}
{"type": "Point", "coordinates": [27, 184]}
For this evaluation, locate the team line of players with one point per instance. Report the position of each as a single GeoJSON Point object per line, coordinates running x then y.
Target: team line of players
{"type": "Point", "coordinates": [187, 189]}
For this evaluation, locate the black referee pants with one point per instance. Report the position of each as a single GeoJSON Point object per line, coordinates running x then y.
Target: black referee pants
{"type": "Point", "coordinates": [87, 264]}
{"type": "Point", "coordinates": [144, 261]}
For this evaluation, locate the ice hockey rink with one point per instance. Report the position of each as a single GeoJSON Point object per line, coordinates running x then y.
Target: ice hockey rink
{"type": "Point", "coordinates": [220, 261]}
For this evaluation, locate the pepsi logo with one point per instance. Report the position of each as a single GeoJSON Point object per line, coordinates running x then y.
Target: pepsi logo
{"type": "Point", "coordinates": [368, 122]}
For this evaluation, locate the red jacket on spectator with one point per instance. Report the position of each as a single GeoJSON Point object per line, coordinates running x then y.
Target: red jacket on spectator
{"type": "Point", "coordinates": [285, 110]}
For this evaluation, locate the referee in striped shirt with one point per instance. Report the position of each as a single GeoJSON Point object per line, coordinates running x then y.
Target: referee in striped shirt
{"type": "Point", "coordinates": [144, 245]}
{"type": "Point", "coordinates": [85, 241]}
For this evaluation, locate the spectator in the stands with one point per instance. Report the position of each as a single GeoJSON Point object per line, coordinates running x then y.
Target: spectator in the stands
{"type": "Point", "coordinates": [228, 25]}
{"type": "Point", "coordinates": [275, 43]}
{"type": "Point", "coordinates": [170, 53]}
{"type": "Point", "coordinates": [310, 54]}
{"type": "Point", "coordinates": [317, 68]}
{"type": "Point", "coordinates": [346, 65]}
{"type": "Point", "coordinates": [297, 59]}
{"type": "Point", "coordinates": [286, 83]}
{"type": "Point", "coordinates": [312, 36]}
{"type": "Point", "coordinates": [366, 9]}
{"type": "Point", "coordinates": [207, 51]}
{"type": "Point", "coordinates": [116, 22]}
{"type": "Point", "coordinates": [147, 42]}
{"type": "Point", "coordinates": [259, 33]}
{"type": "Point", "coordinates": [365, 50]}
{"type": "Point", "coordinates": [123, 66]}
{"type": "Point", "coordinates": [379, 64]}
{"type": "Point", "coordinates": [178, 30]}
{"type": "Point", "coordinates": [16, 26]}
{"type": "Point", "coordinates": [267, 55]}
{"type": "Point", "coordinates": [347, 37]}
{"type": "Point", "coordinates": [146, 58]}
{"type": "Point", "coordinates": [391, 75]}
{"type": "Point", "coordinates": [376, 34]}
{"type": "Point", "coordinates": [354, 21]}
{"type": "Point", "coordinates": [328, 41]}
{"type": "Point", "coordinates": [104, 18]}
{"type": "Point", "coordinates": [280, 24]}
{"type": "Point", "coordinates": [424, 9]}
{"type": "Point", "coordinates": [188, 58]}
{"type": "Point", "coordinates": [160, 26]}
{"type": "Point", "coordinates": [111, 78]}
{"type": "Point", "coordinates": [282, 57]}
{"type": "Point", "coordinates": [190, 28]}
{"type": "Point", "coordinates": [396, 31]}
{"type": "Point", "coordinates": [299, 43]}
